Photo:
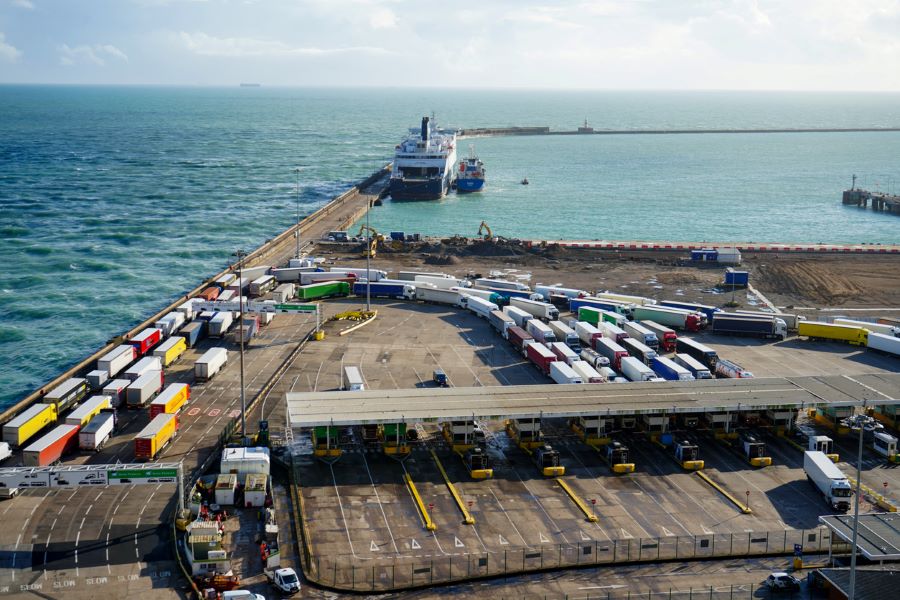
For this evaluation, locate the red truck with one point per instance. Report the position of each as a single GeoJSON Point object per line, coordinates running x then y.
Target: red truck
{"type": "Point", "coordinates": [666, 336]}
{"type": "Point", "coordinates": [51, 447]}
{"type": "Point", "coordinates": [145, 340]}
{"type": "Point", "coordinates": [519, 338]}
{"type": "Point", "coordinates": [541, 356]}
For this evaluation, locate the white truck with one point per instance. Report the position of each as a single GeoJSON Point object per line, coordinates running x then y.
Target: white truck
{"type": "Point", "coordinates": [501, 284]}
{"type": "Point", "coordinates": [210, 363]}
{"type": "Point", "coordinates": [541, 331]}
{"type": "Point", "coordinates": [518, 315]}
{"type": "Point", "coordinates": [642, 334]}
{"type": "Point", "coordinates": [884, 343]}
{"type": "Point", "coordinates": [872, 327]}
{"type": "Point", "coordinates": [560, 372]}
{"type": "Point", "coordinates": [145, 365]}
{"type": "Point", "coordinates": [587, 373]}
{"type": "Point", "coordinates": [625, 298]}
{"type": "Point", "coordinates": [697, 368]}
{"type": "Point", "coordinates": [220, 324]}
{"type": "Point", "coordinates": [564, 353]}
{"type": "Point", "coordinates": [829, 480]}
{"type": "Point", "coordinates": [565, 334]}
{"type": "Point", "coordinates": [554, 290]}
{"type": "Point", "coordinates": [635, 370]}
{"type": "Point", "coordinates": [170, 323]}
{"type": "Point", "coordinates": [352, 379]}
{"type": "Point", "coordinates": [587, 333]}
{"type": "Point", "coordinates": [143, 389]}
{"type": "Point", "coordinates": [441, 283]}
{"type": "Point", "coordinates": [541, 310]}
{"type": "Point", "coordinates": [438, 296]}
{"type": "Point", "coordinates": [479, 306]}
{"type": "Point", "coordinates": [95, 434]}
{"type": "Point", "coordinates": [116, 359]}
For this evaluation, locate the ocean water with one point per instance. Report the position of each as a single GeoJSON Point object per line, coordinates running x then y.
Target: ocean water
{"type": "Point", "coordinates": [115, 200]}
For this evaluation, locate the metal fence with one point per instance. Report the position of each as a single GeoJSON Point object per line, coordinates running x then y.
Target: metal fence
{"type": "Point", "coordinates": [727, 592]}
{"type": "Point", "coordinates": [351, 573]}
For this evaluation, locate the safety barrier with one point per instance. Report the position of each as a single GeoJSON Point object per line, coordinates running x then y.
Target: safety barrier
{"type": "Point", "coordinates": [468, 519]}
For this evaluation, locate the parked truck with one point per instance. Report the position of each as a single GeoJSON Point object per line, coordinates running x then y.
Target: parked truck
{"type": "Point", "coordinates": [562, 373]}
{"type": "Point", "coordinates": [626, 299]}
{"type": "Point", "coordinates": [891, 330]}
{"type": "Point", "coordinates": [500, 284]}
{"type": "Point", "coordinates": [155, 436]}
{"type": "Point", "coordinates": [613, 332]}
{"type": "Point", "coordinates": [88, 409]}
{"type": "Point", "coordinates": [828, 479]}
{"type": "Point", "coordinates": [587, 372]}
{"type": "Point", "coordinates": [666, 336]}
{"type": "Point", "coordinates": [565, 334]}
{"type": "Point", "coordinates": [587, 333]}
{"type": "Point", "coordinates": [441, 283]}
{"type": "Point", "coordinates": [51, 447]}
{"type": "Point", "coordinates": [635, 370]}
{"type": "Point", "coordinates": [117, 359]}
{"type": "Point", "coordinates": [540, 356]}
{"type": "Point", "coordinates": [501, 322]}
{"type": "Point", "coordinates": [536, 308]}
{"type": "Point", "coordinates": [487, 295]}
{"type": "Point", "coordinates": [887, 344]}
{"type": "Point", "coordinates": [438, 296]}
{"type": "Point", "coordinates": [546, 291]}
{"type": "Point", "coordinates": [670, 317]}
{"type": "Point", "coordinates": [117, 390]}
{"type": "Point", "coordinates": [731, 370]}
{"type": "Point", "coordinates": [171, 400]}
{"type": "Point", "coordinates": [67, 394]}
{"type": "Point", "coordinates": [143, 389]}
{"type": "Point", "coordinates": [669, 369]}
{"type": "Point", "coordinates": [519, 338]}
{"type": "Point", "coordinates": [325, 289]}
{"type": "Point", "coordinates": [210, 363]}
{"type": "Point", "coordinates": [613, 351]}
{"type": "Point", "coordinates": [642, 334]}
{"type": "Point", "coordinates": [595, 359]}
{"type": "Point", "coordinates": [518, 315]}
{"type": "Point", "coordinates": [478, 306]}
{"type": "Point", "coordinates": [701, 352]}
{"type": "Point", "coordinates": [575, 304]}
{"type": "Point", "coordinates": [262, 286]}
{"type": "Point", "coordinates": [28, 423]}
{"type": "Point", "coordinates": [170, 350]}
{"type": "Point", "coordinates": [791, 320]}
{"type": "Point", "coordinates": [563, 353]}
{"type": "Point", "coordinates": [816, 330]}
{"type": "Point", "coordinates": [707, 311]}
{"type": "Point", "coordinates": [193, 332]}
{"type": "Point", "coordinates": [540, 331]}
{"type": "Point", "coordinates": [170, 323]}
{"type": "Point", "coordinates": [764, 327]}
{"type": "Point", "coordinates": [96, 433]}
{"type": "Point", "coordinates": [638, 350]}
{"type": "Point", "coordinates": [220, 324]}
{"type": "Point", "coordinates": [145, 340]}
{"type": "Point", "coordinates": [697, 369]}
{"type": "Point", "coordinates": [381, 289]}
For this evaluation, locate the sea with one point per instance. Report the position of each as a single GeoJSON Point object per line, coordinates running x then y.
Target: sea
{"type": "Point", "coordinates": [116, 200]}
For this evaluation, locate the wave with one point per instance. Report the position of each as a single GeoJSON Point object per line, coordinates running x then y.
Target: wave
{"type": "Point", "coordinates": [11, 231]}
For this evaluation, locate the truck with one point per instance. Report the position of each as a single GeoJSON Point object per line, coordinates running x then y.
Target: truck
{"type": "Point", "coordinates": [519, 338]}
{"type": "Point", "coordinates": [223, 281]}
{"type": "Point", "coordinates": [143, 389]}
{"type": "Point", "coordinates": [594, 316]}
{"type": "Point", "coordinates": [884, 343]}
{"type": "Point", "coordinates": [187, 309]}
{"type": "Point", "coordinates": [441, 283]}
{"type": "Point", "coordinates": [890, 330]}
{"type": "Point", "coordinates": [701, 352]}
{"type": "Point", "coordinates": [764, 327]}
{"type": "Point", "coordinates": [613, 332]}
{"type": "Point", "coordinates": [478, 306]}
{"type": "Point", "coordinates": [518, 315]}
{"type": "Point", "coordinates": [731, 370]}
{"type": "Point", "coordinates": [411, 275]}
{"type": "Point", "coordinates": [537, 308]}
{"type": "Point", "coordinates": [193, 332]}
{"type": "Point", "coordinates": [171, 400]}
{"type": "Point", "coordinates": [670, 317]}
{"type": "Point", "coordinates": [96, 433]}
{"type": "Point", "coordinates": [97, 378]}
{"type": "Point", "coordinates": [170, 350]}
{"type": "Point", "coordinates": [587, 373]}
{"type": "Point", "coordinates": [593, 358]}
{"type": "Point", "coordinates": [626, 299]}
{"type": "Point", "coordinates": [438, 296]}
{"type": "Point", "coordinates": [88, 409]}
{"type": "Point", "coordinates": [562, 373]}
{"type": "Point", "coordinates": [284, 292]}
{"type": "Point", "coordinates": [501, 322]}
{"type": "Point", "coordinates": [170, 323]}
{"type": "Point", "coordinates": [817, 330]}
{"type": "Point", "coordinates": [638, 350]}
{"type": "Point", "coordinates": [688, 456]}
{"type": "Point", "coordinates": [500, 284]}
{"type": "Point", "coordinates": [546, 291]}
{"type": "Point", "coordinates": [145, 340]}
{"type": "Point", "coordinates": [352, 379]}
{"type": "Point", "coordinates": [372, 275]}
{"type": "Point", "coordinates": [28, 423]}
{"type": "Point", "coordinates": [210, 363]}
{"type": "Point", "coordinates": [563, 352]}
{"type": "Point", "coordinates": [617, 307]}
{"type": "Point", "coordinates": [565, 334]}
{"type": "Point", "coordinates": [51, 447]}
{"type": "Point", "coordinates": [616, 456]}
{"type": "Point", "coordinates": [828, 479]}
{"type": "Point", "coordinates": [540, 331]}
{"type": "Point", "coordinates": [67, 394]}
{"type": "Point", "coordinates": [790, 320]}
{"type": "Point", "coordinates": [324, 289]}
{"type": "Point", "coordinates": [488, 295]}
{"type": "Point", "coordinates": [262, 286]}
{"type": "Point", "coordinates": [540, 356]}
{"type": "Point", "coordinates": [641, 334]}
{"type": "Point", "coordinates": [697, 369]}
{"type": "Point", "coordinates": [155, 436]}
{"type": "Point", "coordinates": [587, 333]}
{"type": "Point", "coordinates": [117, 359]}
{"type": "Point", "coordinates": [220, 323]}
{"type": "Point", "coordinates": [753, 449]}
{"type": "Point", "coordinates": [292, 274]}
{"type": "Point", "coordinates": [670, 370]}
{"type": "Point", "coordinates": [635, 370]}
{"type": "Point", "coordinates": [116, 389]}
{"type": "Point", "coordinates": [666, 336]}
{"type": "Point", "coordinates": [613, 351]}
{"type": "Point", "coordinates": [707, 311]}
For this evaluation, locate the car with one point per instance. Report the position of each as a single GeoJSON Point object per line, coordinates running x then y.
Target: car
{"type": "Point", "coordinates": [241, 595]}
{"type": "Point", "coordinates": [284, 580]}
{"type": "Point", "coordinates": [782, 581]}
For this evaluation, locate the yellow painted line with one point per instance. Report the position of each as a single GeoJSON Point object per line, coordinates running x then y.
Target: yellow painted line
{"type": "Point", "coordinates": [588, 513]}
{"type": "Point", "coordinates": [426, 518]}
{"type": "Point", "coordinates": [744, 508]}
{"type": "Point", "coordinates": [468, 519]}
{"type": "Point", "coordinates": [353, 328]}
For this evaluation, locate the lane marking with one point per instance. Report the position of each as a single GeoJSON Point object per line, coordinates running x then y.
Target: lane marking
{"type": "Point", "coordinates": [373, 547]}
{"type": "Point", "coordinates": [458, 543]}
{"type": "Point", "coordinates": [544, 539]}
{"type": "Point", "coordinates": [415, 545]}
{"type": "Point", "coordinates": [503, 541]}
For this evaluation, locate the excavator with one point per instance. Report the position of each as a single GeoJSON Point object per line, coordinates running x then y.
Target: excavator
{"type": "Point", "coordinates": [375, 237]}
{"type": "Point", "coordinates": [485, 229]}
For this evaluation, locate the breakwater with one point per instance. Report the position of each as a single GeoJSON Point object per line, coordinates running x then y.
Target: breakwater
{"type": "Point", "coordinates": [474, 132]}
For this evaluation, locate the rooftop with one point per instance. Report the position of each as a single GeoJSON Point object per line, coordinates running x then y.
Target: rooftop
{"type": "Point", "coordinates": [878, 537]}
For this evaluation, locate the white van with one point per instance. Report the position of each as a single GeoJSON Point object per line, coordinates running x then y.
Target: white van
{"type": "Point", "coordinates": [352, 380]}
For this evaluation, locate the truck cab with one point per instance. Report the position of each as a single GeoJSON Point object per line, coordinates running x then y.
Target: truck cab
{"type": "Point", "coordinates": [688, 456]}
{"type": "Point", "coordinates": [478, 463]}
{"type": "Point", "coordinates": [617, 457]}
{"type": "Point", "coordinates": [754, 450]}
{"type": "Point", "coordinates": [547, 460]}
{"type": "Point", "coordinates": [439, 378]}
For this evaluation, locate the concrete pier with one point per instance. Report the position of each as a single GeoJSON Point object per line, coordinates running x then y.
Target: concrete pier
{"type": "Point", "coordinates": [879, 200]}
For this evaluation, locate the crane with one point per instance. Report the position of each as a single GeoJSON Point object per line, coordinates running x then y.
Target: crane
{"type": "Point", "coordinates": [486, 230]}
{"type": "Point", "coordinates": [375, 237]}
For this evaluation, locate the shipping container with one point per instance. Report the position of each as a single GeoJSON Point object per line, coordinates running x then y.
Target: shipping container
{"type": "Point", "coordinates": [241, 461]}
{"type": "Point", "coordinates": [642, 334]}
{"type": "Point", "coordinates": [670, 317]}
{"type": "Point", "coordinates": [97, 378]}
{"type": "Point", "coordinates": [87, 410]}
{"type": "Point", "coordinates": [145, 340]}
{"type": "Point", "coordinates": [155, 436]}
{"type": "Point", "coordinates": [220, 324]}
{"type": "Point", "coordinates": [501, 284]}
{"type": "Point", "coordinates": [96, 433]}
{"type": "Point", "coordinates": [209, 294]}
{"type": "Point", "coordinates": [666, 336]}
{"type": "Point", "coordinates": [262, 286]}
{"type": "Point", "coordinates": [856, 336]}
{"type": "Point", "coordinates": [638, 350]}
{"type": "Point", "coordinates": [325, 289]}
{"type": "Point", "coordinates": [670, 370]}
{"type": "Point", "coordinates": [701, 352]}
{"type": "Point", "coordinates": [117, 359]}
{"type": "Point", "coordinates": [540, 356]}
{"type": "Point", "coordinates": [518, 315]}
{"type": "Point", "coordinates": [284, 292]}
{"type": "Point", "coordinates": [171, 400]}
{"type": "Point", "coordinates": [145, 365]}
{"type": "Point", "coordinates": [587, 372]}
{"type": "Point", "coordinates": [223, 281]}
{"type": "Point", "coordinates": [537, 308]}
{"type": "Point", "coordinates": [562, 373]}
{"type": "Point", "coordinates": [635, 370]}
{"type": "Point", "coordinates": [115, 389]}
{"type": "Point", "coordinates": [519, 338]}
{"type": "Point", "coordinates": [884, 343]}
{"type": "Point", "coordinates": [227, 296]}
{"type": "Point", "coordinates": [67, 394]}
{"type": "Point", "coordinates": [28, 423]}
{"type": "Point", "coordinates": [254, 490]}
{"type": "Point", "coordinates": [170, 350]}
{"type": "Point", "coordinates": [170, 323]}
{"type": "Point", "coordinates": [736, 278]}
{"type": "Point", "coordinates": [193, 333]}
{"type": "Point", "coordinates": [239, 286]}
{"type": "Point", "coordinates": [210, 363]}
{"type": "Point", "coordinates": [696, 368]}
{"type": "Point", "coordinates": [225, 489]}
{"type": "Point", "coordinates": [611, 350]}
{"type": "Point", "coordinates": [143, 389]}
{"type": "Point", "coordinates": [540, 331]}
{"type": "Point", "coordinates": [50, 448]}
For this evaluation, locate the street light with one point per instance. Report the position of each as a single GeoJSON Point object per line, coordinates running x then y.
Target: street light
{"type": "Point", "coordinates": [240, 256]}
{"type": "Point", "coordinates": [368, 256]}
{"type": "Point", "coordinates": [859, 421]}
{"type": "Point", "coordinates": [297, 232]}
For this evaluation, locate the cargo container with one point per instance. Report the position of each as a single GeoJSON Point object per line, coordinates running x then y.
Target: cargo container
{"type": "Point", "coordinates": [594, 316]}
{"type": "Point", "coordinates": [262, 286]}
{"type": "Point", "coordinates": [115, 389]}
{"type": "Point", "coordinates": [594, 358]}
{"type": "Point", "coordinates": [736, 279]}
{"type": "Point", "coordinates": [670, 370]}
{"type": "Point", "coordinates": [383, 289]}
{"type": "Point", "coordinates": [478, 306]}
{"type": "Point", "coordinates": [372, 275]}
{"type": "Point", "coordinates": [563, 352]}
{"type": "Point", "coordinates": [205, 315]}
{"type": "Point", "coordinates": [352, 379]}
{"type": "Point", "coordinates": [187, 308]}
{"type": "Point", "coordinates": [666, 337]}
{"type": "Point", "coordinates": [292, 274]}
{"type": "Point", "coordinates": [518, 315]}
{"type": "Point", "coordinates": [223, 281]}
{"type": "Point", "coordinates": [254, 490]}
{"type": "Point", "coordinates": [539, 309]}
{"type": "Point", "coordinates": [562, 373]}
{"type": "Point", "coordinates": [508, 294]}
{"type": "Point", "coordinates": [540, 331]}
{"type": "Point", "coordinates": [67, 394]}
{"type": "Point", "coordinates": [611, 331]}
{"type": "Point", "coordinates": [171, 400]}
{"type": "Point", "coordinates": [483, 294]}
{"type": "Point", "coordinates": [638, 350]}
{"type": "Point", "coordinates": [241, 461]}
{"type": "Point", "coordinates": [210, 363]}
{"type": "Point", "coordinates": [210, 294]}
{"type": "Point", "coordinates": [762, 326]}
{"type": "Point", "coordinates": [501, 284]}
{"type": "Point", "coordinates": [519, 338]}
{"type": "Point", "coordinates": [155, 436]}
{"type": "Point", "coordinates": [227, 296]}
{"type": "Point", "coordinates": [587, 333]}
{"type": "Point", "coordinates": [884, 343]}
{"type": "Point", "coordinates": [635, 370]}
{"type": "Point", "coordinates": [500, 321]}
{"type": "Point", "coordinates": [51, 447]}
{"type": "Point", "coordinates": [642, 334]}
{"type": "Point", "coordinates": [96, 379]}
{"type": "Point", "coordinates": [239, 286]}
{"type": "Point", "coordinates": [441, 283]}
{"type": "Point", "coordinates": [170, 323]}
{"type": "Point", "coordinates": [145, 365]}
{"type": "Point", "coordinates": [326, 277]}
{"type": "Point", "coordinates": [701, 352]}
{"type": "Point", "coordinates": [225, 488]}
{"type": "Point", "coordinates": [193, 333]}
{"type": "Point", "coordinates": [96, 433]}
{"type": "Point", "coordinates": [670, 317]}
{"type": "Point", "coordinates": [170, 350]}
{"type": "Point", "coordinates": [626, 299]}
{"type": "Point", "coordinates": [117, 359]}
{"type": "Point", "coordinates": [284, 292]}
{"type": "Point", "coordinates": [696, 368]}
{"type": "Point", "coordinates": [87, 410]}
{"type": "Point", "coordinates": [143, 389]}
{"type": "Point", "coordinates": [729, 369]}
{"type": "Point", "coordinates": [540, 356]}
{"type": "Point", "coordinates": [28, 423]}
{"type": "Point", "coordinates": [554, 290]}
{"type": "Point", "coordinates": [816, 330]}
{"type": "Point", "coordinates": [436, 296]}
{"type": "Point", "coordinates": [707, 311]}
{"type": "Point", "coordinates": [220, 324]}
{"type": "Point", "coordinates": [145, 340]}
{"type": "Point", "coordinates": [890, 330]}
{"type": "Point", "coordinates": [411, 275]}
{"type": "Point", "coordinates": [617, 307]}
{"type": "Point", "coordinates": [565, 334]}
{"type": "Point", "coordinates": [613, 351]}
{"type": "Point", "coordinates": [587, 373]}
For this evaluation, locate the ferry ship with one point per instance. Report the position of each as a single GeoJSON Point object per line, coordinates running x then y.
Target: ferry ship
{"type": "Point", "coordinates": [423, 163]}
{"type": "Point", "coordinates": [471, 174]}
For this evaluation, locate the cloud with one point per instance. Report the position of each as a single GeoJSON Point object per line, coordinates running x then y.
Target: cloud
{"type": "Point", "coordinates": [97, 54]}
{"type": "Point", "coordinates": [236, 47]}
{"type": "Point", "coordinates": [383, 18]}
{"type": "Point", "coordinates": [8, 52]}
{"type": "Point", "coordinates": [27, 4]}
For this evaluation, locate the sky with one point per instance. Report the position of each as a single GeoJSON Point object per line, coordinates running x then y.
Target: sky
{"type": "Point", "coordinates": [602, 44]}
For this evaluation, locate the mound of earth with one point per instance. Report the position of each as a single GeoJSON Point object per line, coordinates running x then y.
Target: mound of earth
{"type": "Point", "coordinates": [811, 281]}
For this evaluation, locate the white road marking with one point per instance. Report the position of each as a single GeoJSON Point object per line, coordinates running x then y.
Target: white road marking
{"type": "Point", "coordinates": [380, 506]}
{"type": "Point", "coordinates": [343, 516]}
{"type": "Point", "coordinates": [518, 533]}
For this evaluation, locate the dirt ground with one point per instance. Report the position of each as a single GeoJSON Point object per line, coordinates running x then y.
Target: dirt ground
{"type": "Point", "coordinates": [804, 283]}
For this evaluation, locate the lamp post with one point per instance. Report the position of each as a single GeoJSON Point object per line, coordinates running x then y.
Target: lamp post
{"type": "Point", "coordinates": [240, 256]}
{"type": "Point", "coordinates": [297, 232]}
{"type": "Point", "coordinates": [368, 257]}
{"type": "Point", "coordinates": [860, 420]}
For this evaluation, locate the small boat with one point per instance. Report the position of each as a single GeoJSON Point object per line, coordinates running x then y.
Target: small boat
{"type": "Point", "coordinates": [525, 181]}
{"type": "Point", "coordinates": [471, 174]}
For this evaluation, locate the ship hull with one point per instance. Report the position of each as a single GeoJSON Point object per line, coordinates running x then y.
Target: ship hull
{"type": "Point", "coordinates": [417, 189]}
{"type": "Point", "coordinates": [467, 186]}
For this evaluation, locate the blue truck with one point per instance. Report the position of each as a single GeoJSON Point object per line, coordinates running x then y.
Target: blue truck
{"type": "Point", "coordinates": [763, 326]}
{"type": "Point", "coordinates": [709, 311]}
{"type": "Point", "coordinates": [669, 369]}
{"type": "Point", "coordinates": [616, 307]}
{"type": "Point", "coordinates": [385, 290]}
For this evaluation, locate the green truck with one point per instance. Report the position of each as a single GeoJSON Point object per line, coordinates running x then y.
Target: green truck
{"type": "Point", "coordinates": [593, 316]}
{"type": "Point", "coordinates": [323, 289]}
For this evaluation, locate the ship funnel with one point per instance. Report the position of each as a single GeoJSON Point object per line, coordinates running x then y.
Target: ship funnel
{"type": "Point", "coordinates": [425, 129]}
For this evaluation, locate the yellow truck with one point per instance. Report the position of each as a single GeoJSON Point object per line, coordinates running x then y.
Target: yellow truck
{"type": "Point", "coordinates": [171, 399]}
{"type": "Point", "coordinates": [155, 436]}
{"type": "Point", "coordinates": [816, 330]}
{"type": "Point", "coordinates": [171, 350]}
{"type": "Point", "coordinates": [28, 423]}
{"type": "Point", "coordinates": [88, 409]}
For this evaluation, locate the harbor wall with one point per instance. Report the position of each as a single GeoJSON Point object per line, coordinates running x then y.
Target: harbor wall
{"type": "Point", "coordinates": [543, 130]}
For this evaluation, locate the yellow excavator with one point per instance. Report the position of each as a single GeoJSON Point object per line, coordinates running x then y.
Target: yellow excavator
{"type": "Point", "coordinates": [485, 229]}
{"type": "Point", "coordinates": [375, 238]}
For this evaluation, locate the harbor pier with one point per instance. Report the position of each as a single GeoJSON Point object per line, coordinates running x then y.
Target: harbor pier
{"type": "Point", "coordinates": [880, 201]}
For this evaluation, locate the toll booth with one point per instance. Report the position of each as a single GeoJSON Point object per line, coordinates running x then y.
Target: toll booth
{"type": "Point", "coordinates": [593, 430]}
{"type": "Point", "coordinates": [626, 423]}
{"type": "Point", "coordinates": [616, 455]}
{"type": "Point", "coordinates": [754, 450]}
{"type": "Point", "coordinates": [823, 444]}
{"type": "Point", "coordinates": [526, 432]}
{"type": "Point", "coordinates": [393, 439]}
{"type": "Point", "coordinates": [478, 462]}
{"type": "Point", "coordinates": [781, 420]}
{"type": "Point", "coordinates": [831, 417]}
{"type": "Point", "coordinates": [655, 424]}
{"type": "Point", "coordinates": [721, 423]}
{"type": "Point", "coordinates": [889, 414]}
{"type": "Point", "coordinates": [687, 421]}
{"type": "Point", "coordinates": [750, 418]}
{"type": "Point", "coordinates": [886, 445]}
{"type": "Point", "coordinates": [325, 441]}
{"type": "Point", "coordinates": [459, 434]}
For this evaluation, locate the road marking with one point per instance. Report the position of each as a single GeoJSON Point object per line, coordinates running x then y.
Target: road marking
{"type": "Point", "coordinates": [503, 541]}
{"type": "Point", "coordinates": [707, 530]}
{"type": "Point", "coordinates": [626, 535]}
{"type": "Point", "coordinates": [343, 516]}
{"type": "Point", "coordinates": [373, 547]}
{"type": "Point", "coordinates": [52, 525]}
{"type": "Point", "coordinates": [235, 413]}
{"type": "Point", "coordinates": [82, 523]}
{"type": "Point", "coordinates": [89, 509]}
{"type": "Point", "coordinates": [415, 545]}
{"type": "Point", "coordinates": [458, 543]}
{"type": "Point", "coordinates": [193, 412]}
{"type": "Point", "coordinates": [666, 532]}
{"type": "Point", "coordinates": [544, 539]}
{"type": "Point", "coordinates": [524, 543]}
{"type": "Point", "coordinates": [381, 506]}
{"type": "Point", "coordinates": [213, 413]}
{"type": "Point", "coordinates": [585, 537]}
